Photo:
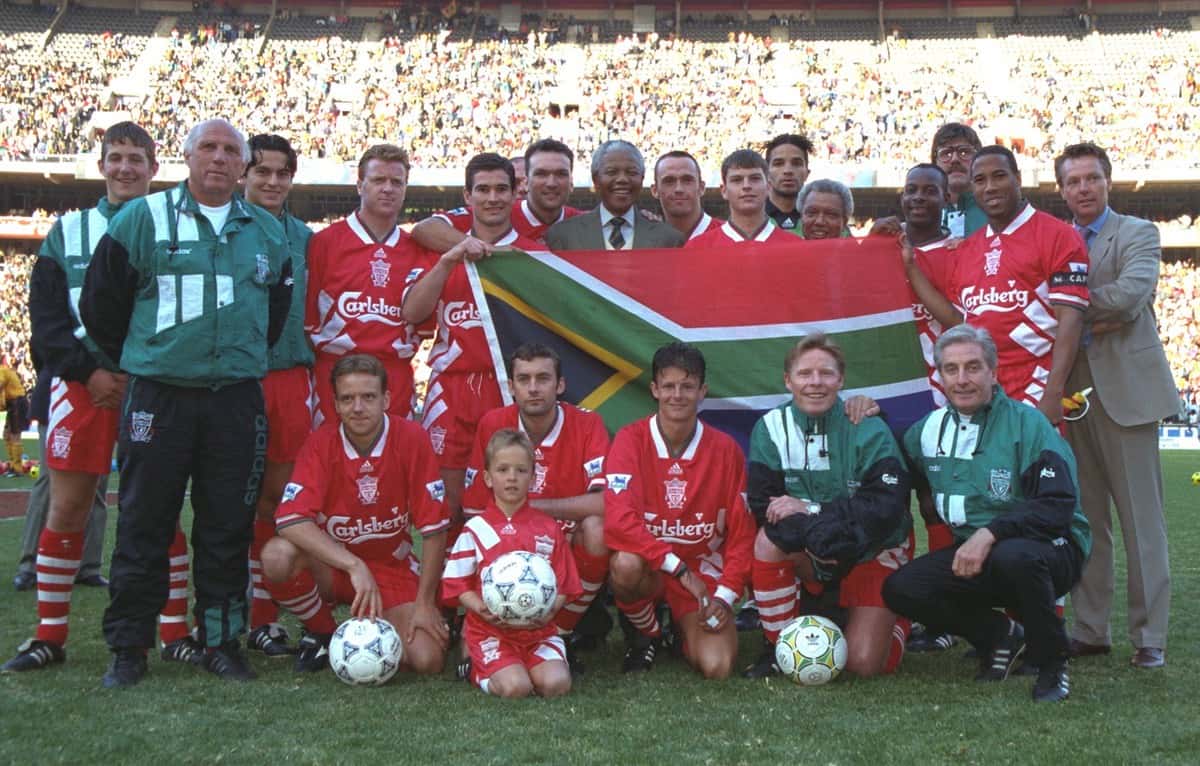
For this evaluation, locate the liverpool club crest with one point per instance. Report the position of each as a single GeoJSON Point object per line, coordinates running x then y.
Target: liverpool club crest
{"type": "Point", "coordinates": [1001, 482]}
{"type": "Point", "coordinates": [141, 426]}
{"type": "Point", "coordinates": [368, 489]}
{"type": "Point", "coordinates": [991, 265]}
{"type": "Point", "coordinates": [676, 493]}
{"type": "Point", "coordinates": [379, 272]}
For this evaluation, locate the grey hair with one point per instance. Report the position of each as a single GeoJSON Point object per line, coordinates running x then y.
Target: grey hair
{"type": "Point", "coordinates": [827, 186]}
{"type": "Point", "coordinates": [616, 145]}
{"type": "Point", "coordinates": [965, 333]}
{"type": "Point", "coordinates": [193, 137]}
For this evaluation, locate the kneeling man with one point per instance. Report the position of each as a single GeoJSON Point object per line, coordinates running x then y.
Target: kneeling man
{"type": "Point", "coordinates": [1004, 480]}
{"type": "Point", "coordinates": [343, 524]}
{"type": "Point", "coordinates": [675, 518]}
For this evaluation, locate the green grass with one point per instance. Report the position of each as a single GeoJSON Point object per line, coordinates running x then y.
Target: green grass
{"type": "Point", "coordinates": [931, 712]}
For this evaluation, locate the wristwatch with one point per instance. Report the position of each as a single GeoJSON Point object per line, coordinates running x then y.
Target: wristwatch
{"type": "Point", "coordinates": [681, 571]}
{"type": "Point", "coordinates": [812, 509]}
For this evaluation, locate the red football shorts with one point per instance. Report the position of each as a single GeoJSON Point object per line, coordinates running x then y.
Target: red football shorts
{"type": "Point", "coordinates": [454, 405]}
{"type": "Point", "coordinates": [492, 650]}
{"type": "Point", "coordinates": [679, 599]}
{"type": "Point", "coordinates": [863, 586]}
{"type": "Point", "coordinates": [79, 435]}
{"type": "Point", "coordinates": [396, 580]}
{"type": "Point", "coordinates": [399, 386]}
{"type": "Point", "coordinates": [288, 397]}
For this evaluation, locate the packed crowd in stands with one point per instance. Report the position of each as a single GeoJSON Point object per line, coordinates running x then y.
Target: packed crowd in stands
{"type": "Point", "coordinates": [863, 102]}
{"type": "Point", "coordinates": [14, 317]}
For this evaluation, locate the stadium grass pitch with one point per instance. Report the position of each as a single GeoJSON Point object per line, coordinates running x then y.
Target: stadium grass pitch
{"type": "Point", "coordinates": [930, 712]}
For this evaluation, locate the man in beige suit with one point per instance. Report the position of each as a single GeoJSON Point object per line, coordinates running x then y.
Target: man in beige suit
{"type": "Point", "coordinates": [1116, 442]}
{"type": "Point", "coordinates": [615, 224]}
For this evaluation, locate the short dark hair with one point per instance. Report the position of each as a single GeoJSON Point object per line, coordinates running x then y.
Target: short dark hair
{"type": "Point", "coordinates": [815, 341]}
{"type": "Point", "coordinates": [552, 146]}
{"type": "Point", "coordinates": [743, 159]}
{"type": "Point", "coordinates": [527, 352]}
{"type": "Point", "coordinates": [797, 140]}
{"type": "Point", "coordinates": [945, 179]}
{"type": "Point", "coordinates": [269, 142]}
{"type": "Point", "coordinates": [681, 356]}
{"type": "Point", "coordinates": [364, 363]}
{"type": "Point", "coordinates": [676, 154]}
{"type": "Point", "coordinates": [490, 161]}
{"type": "Point", "coordinates": [1076, 151]}
{"type": "Point", "coordinates": [504, 438]}
{"type": "Point", "coordinates": [951, 131]}
{"type": "Point", "coordinates": [383, 153]}
{"type": "Point", "coordinates": [128, 133]}
{"type": "Point", "coordinates": [996, 150]}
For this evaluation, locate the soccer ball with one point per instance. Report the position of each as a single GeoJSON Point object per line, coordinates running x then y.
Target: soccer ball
{"type": "Point", "coordinates": [365, 652]}
{"type": "Point", "coordinates": [1196, 478]}
{"type": "Point", "coordinates": [811, 650]}
{"type": "Point", "coordinates": [519, 588]}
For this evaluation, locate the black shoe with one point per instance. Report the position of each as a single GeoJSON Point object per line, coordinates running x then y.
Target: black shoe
{"type": "Point", "coordinates": [747, 619]}
{"type": "Point", "coordinates": [34, 655]}
{"type": "Point", "coordinates": [1053, 684]}
{"type": "Point", "coordinates": [577, 642]}
{"type": "Point", "coordinates": [312, 652]}
{"type": "Point", "coordinates": [226, 662]}
{"type": "Point", "coordinates": [270, 639]}
{"type": "Point", "coordinates": [24, 581]}
{"type": "Point", "coordinates": [92, 581]}
{"type": "Point", "coordinates": [999, 664]}
{"type": "Point", "coordinates": [765, 666]}
{"type": "Point", "coordinates": [928, 641]}
{"type": "Point", "coordinates": [672, 636]}
{"type": "Point", "coordinates": [574, 661]}
{"type": "Point", "coordinates": [462, 671]}
{"type": "Point", "coordinates": [186, 650]}
{"type": "Point", "coordinates": [639, 657]}
{"type": "Point", "coordinates": [128, 666]}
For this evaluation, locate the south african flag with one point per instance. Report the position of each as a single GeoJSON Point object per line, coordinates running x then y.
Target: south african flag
{"type": "Point", "coordinates": [607, 312]}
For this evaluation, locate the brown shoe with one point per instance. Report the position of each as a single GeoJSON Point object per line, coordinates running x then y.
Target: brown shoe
{"type": "Point", "coordinates": [1079, 648]}
{"type": "Point", "coordinates": [1148, 657]}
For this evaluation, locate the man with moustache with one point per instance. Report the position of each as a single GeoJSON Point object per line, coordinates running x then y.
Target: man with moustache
{"type": "Point", "coordinates": [954, 147]}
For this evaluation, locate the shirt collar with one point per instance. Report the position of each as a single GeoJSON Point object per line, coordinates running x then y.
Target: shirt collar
{"type": "Point", "coordinates": [606, 215]}
{"type": "Point", "coordinates": [1095, 226]}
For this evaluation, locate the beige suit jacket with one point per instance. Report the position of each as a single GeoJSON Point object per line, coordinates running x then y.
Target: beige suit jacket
{"type": "Point", "coordinates": [1128, 365]}
{"type": "Point", "coordinates": [583, 232]}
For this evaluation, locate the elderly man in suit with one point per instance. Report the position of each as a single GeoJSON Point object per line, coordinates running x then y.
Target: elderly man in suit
{"type": "Point", "coordinates": [1116, 443]}
{"type": "Point", "coordinates": [615, 224]}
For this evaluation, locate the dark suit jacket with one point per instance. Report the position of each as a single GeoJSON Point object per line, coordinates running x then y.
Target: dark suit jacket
{"type": "Point", "coordinates": [1129, 366]}
{"type": "Point", "coordinates": [583, 232]}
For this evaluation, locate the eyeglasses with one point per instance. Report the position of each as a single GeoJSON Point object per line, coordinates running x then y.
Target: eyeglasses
{"type": "Point", "coordinates": [962, 152]}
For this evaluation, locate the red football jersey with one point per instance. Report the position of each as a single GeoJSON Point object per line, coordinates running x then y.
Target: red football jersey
{"type": "Point", "coordinates": [368, 503]}
{"type": "Point", "coordinates": [461, 345]}
{"type": "Point", "coordinates": [489, 536]}
{"type": "Point", "coordinates": [725, 235]}
{"type": "Point", "coordinates": [356, 289]}
{"type": "Point", "coordinates": [692, 507]}
{"type": "Point", "coordinates": [933, 259]}
{"type": "Point", "coordinates": [706, 224]}
{"type": "Point", "coordinates": [568, 462]}
{"type": "Point", "coordinates": [1009, 283]}
{"type": "Point", "coordinates": [524, 222]}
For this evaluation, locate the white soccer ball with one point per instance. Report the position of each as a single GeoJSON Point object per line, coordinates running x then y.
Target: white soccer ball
{"type": "Point", "coordinates": [365, 652]}
{"type": "Point", "coordinates": [519, 588]}
{"type": "Point", "coordinates": [811, 650]}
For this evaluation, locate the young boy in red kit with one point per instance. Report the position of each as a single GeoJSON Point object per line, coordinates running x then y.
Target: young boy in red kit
{"type": "Point", "coordinates": [508, 661]}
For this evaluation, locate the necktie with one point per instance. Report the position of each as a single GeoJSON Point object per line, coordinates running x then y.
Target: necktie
{"type": "Point", "coordinates": [616, 239]}
{"type": "Point", "coordinates": [1088, 235]}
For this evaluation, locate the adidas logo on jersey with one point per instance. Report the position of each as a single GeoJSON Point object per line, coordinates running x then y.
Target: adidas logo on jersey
{"type": "Point", "coordinates": [675, 470]}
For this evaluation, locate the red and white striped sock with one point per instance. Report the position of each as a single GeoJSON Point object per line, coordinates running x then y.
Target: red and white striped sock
{"type": "Point", "coordinates": [263, 608]}
{"type": "Point", "coordinates": [172, 622]}
{"type": "Point", "coordinates": [900, 633]}
{"type": "Point", "coordinates": [775, 593]}
{"type": "Point", "coordinates": [58, 557]}
{"type": "Point", "coordinates": [592, 572]}
{"type": "Point", "coordinates": [641, 614]}
{"type": "Point", "coordinates": [299, 596]}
